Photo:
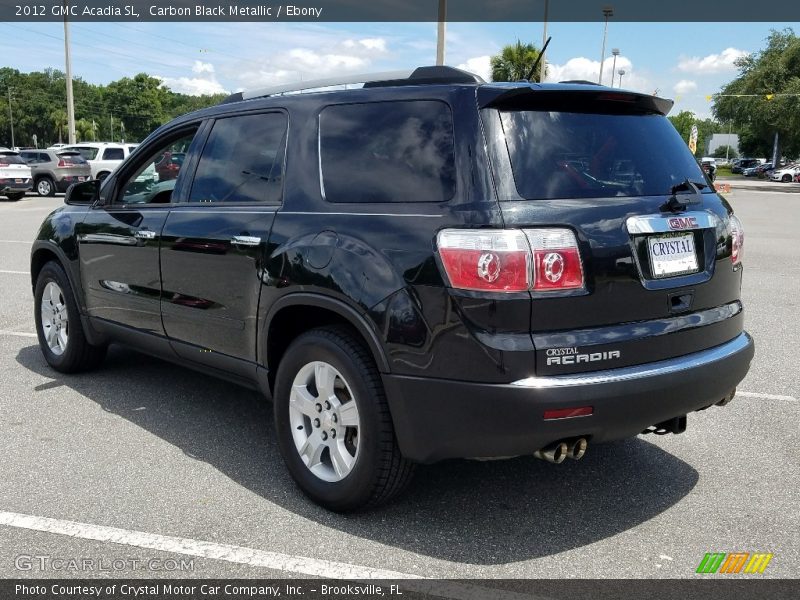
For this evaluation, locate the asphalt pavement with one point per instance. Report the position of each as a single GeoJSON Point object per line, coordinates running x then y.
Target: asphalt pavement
{"type": "Point", "coordinates": [147, 464]}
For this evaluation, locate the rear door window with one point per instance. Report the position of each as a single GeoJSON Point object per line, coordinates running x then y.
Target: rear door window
{"type": "Point", "coordinates": [588, 155]}
{"type": "Point", "coordinates": [242, 160]}
{"type": "Point", "coordinates": [113, 154]}
{"type": "Point", "coordinates": [400, 151]}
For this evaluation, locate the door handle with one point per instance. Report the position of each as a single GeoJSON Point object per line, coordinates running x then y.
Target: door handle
{"type": "Point", "coordinates": [145, 234]}
{"type": "Point", "coordinates": [245, 240]}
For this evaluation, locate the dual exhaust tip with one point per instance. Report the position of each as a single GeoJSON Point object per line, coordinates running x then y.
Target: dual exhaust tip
{"type": "Point", "coordinates": [560, 451]}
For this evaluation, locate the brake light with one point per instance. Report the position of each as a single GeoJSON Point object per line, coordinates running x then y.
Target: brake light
{"type": "Point", "coordinates": [486, 260]}
{"type": "Point", "coordinates": [556, 259]}
{"type": "Point", "coordinates": [737, 241]}
{"type": "Point", "coordinates": [63, 163]}
{"type": "Point", "coordinates": [511, 260]}
{"type": "Point", "coordinates": [2, 164]}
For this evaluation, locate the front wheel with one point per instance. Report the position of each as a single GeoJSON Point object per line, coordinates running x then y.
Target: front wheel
{"type": "Point", "coordinates": [58, 324]}
{"type": "Point", "coordinates": [786, 179]}
{"type": "Point", "coordinates": [333, 423]}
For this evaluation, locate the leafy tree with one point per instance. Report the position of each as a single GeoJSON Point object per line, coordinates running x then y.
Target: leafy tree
{"type": "Point", "coordinates": [514, 62]}
{"type": "Point", "coordinates": [683, 122]}
{"type": "Point", "coordinates": [723, 151]}
{"type": "Point", "coordinates": [60, 122]}
{"type": "Point", "coordinates": [765, 98]}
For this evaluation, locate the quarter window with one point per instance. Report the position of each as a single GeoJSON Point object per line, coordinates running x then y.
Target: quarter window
{"type": "Point", "coordinates": [242, 160]}
{"type": "Point", "coordinates": [387, 152]}
{"type": "Point", "coordinates": [113, 154]}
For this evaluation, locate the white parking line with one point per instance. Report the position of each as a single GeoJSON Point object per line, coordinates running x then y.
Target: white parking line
{"type": "Point", "coordinates": [15, 272]}
{"type": "Point", "coordinates": [766, 396]}
{"type": "Point", "coordinates": [252, 556]}
{"type": "Point", "coordinates": [17, 333]}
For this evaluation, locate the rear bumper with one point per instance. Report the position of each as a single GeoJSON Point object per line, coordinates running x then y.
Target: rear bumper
{"type": "Point", "coordinates": [436, 419]}
{"type": "Point", "coordinates": [14, 188]}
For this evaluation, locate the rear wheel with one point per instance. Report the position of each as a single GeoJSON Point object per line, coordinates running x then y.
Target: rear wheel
{"type": "Point", "coordinates": [333, 423]}
{"type": "Point", "coordinates": [102, 175]}
{"type": "Point", "coordinates": [45, 187]}
{"type": "Point", "coordinates": [58, 324]}
{"type": "Point", "coordinates": [15, 197]}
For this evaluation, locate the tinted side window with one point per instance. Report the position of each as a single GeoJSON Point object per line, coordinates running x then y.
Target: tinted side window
{"type": "Point", "coordinates": [242, 160]}
{"type": "Point", "coordinates": [113, 154]}
{"type": "Point", "coordinates": [388, 152]}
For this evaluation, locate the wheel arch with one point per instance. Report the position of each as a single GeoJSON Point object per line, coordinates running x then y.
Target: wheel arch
{"type": "Point", "coordinates": [297, 313]}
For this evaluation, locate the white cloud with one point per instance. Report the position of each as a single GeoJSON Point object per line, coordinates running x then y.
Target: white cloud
{"type": "Point", "coordinates": [713, 63]}
{"type": "Point", "coordinates": [201, 67]}
{"type": "Point", "coordinates": [194, 86]}
{"type": "Point", "coordinates": [349, 56]}
{"type": "Point", "coordinates": [684, 86]}
{"type": "Point", "coordinates": [583, 68]}
{"type": "Point", "coordinates": [480, 65]}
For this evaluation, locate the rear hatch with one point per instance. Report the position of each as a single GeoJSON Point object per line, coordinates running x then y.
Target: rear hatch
{"type": "Point", "coordinates": [659, 274]}
{"type": "Point", "coordinates": [14, 172]}
{"type": "Point", "coordinates": [72, 164]}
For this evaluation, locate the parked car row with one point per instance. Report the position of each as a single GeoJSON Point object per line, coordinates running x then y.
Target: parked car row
{"type": "Point", "coordinates": [50, 170]}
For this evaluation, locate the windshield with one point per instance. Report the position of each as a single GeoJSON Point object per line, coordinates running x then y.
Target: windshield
{"type": "Point", "coordinates": [589, 155]}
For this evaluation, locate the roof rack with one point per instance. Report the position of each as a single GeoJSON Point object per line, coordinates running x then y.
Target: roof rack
{"type": "Point", "coordinates": [418, 76]}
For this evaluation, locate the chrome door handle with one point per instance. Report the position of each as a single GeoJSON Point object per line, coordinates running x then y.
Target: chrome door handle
{"type": "Point", "coordinates": [245, 240]}
{"type": "Point", "coordinates": [145, 234]}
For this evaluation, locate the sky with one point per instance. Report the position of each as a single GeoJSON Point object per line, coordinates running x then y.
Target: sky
{"type": "Point", "coordinates": [683, 61]}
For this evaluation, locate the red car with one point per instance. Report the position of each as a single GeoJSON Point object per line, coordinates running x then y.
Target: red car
{"type": "Point", "coordinates": [169, 165]}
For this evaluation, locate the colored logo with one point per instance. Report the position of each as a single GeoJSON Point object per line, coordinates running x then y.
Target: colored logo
{"type": "Point", "coordinates": [734, 562]}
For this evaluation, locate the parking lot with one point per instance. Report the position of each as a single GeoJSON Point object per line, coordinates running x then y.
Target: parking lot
{"type": "Point", "coordinates": [158, 462]}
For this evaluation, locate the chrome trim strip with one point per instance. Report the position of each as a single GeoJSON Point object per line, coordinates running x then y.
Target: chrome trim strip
{"type": "Point", "coordinates": [661, 224]}
{"type": "Point", "coordinates": [663, 367]}
{"type": "Point", "coordinates": [356, 214]}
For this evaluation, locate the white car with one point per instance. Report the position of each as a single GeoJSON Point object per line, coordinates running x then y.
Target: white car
{"type": "Point", "coordinates": [103, 157]}
{"type": "Point", "coordinates": [785, 174]}
{"type": "Point", "coordinates": [15, 175]}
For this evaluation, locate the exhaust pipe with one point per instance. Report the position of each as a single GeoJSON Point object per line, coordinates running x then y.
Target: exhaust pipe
{"type": "Point", "coordinates": [554, 453]}
{"type": "Point", "coordinates": [577, 448]}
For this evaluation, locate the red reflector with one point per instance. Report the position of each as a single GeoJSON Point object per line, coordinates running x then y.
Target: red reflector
{"type": "Point", "coordinates": [568, 413]}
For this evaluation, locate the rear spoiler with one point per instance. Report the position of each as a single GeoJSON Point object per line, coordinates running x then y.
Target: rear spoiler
{"type": "Point", "coordinates": [580, 99]}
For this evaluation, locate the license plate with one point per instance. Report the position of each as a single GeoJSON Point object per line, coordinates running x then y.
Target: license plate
{"type": "Point", "coordinates": [81, 178]}
{"type": "Point", "coordinates": [18, 181]}
{"type": "Point", "coordinates": [672, 254]}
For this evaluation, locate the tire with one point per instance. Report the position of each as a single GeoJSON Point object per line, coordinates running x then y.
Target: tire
{"type": "Point", "coordinates": [58, 324]}
{"type": "Point", "coordinates": [102, 175]}
{"type": "Point", "coordinates": [786, 179]}
{"type": "Point", "coordinates": [365, 436]}
{"type": "Point", "coordinates": [15, 197]}
{"type": "Point", "coordinates": [46, 187]}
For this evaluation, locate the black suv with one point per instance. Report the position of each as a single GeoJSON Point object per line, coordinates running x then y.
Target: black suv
{"type": "Point", "coordinates": [425, 267]}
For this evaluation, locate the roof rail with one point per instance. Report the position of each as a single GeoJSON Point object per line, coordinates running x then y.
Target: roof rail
{"type": "Point", "coordinates": [418, 76]}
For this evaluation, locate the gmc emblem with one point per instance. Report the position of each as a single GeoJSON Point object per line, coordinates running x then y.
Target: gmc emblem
{"type": "Point", "coordinates": [682, 223]}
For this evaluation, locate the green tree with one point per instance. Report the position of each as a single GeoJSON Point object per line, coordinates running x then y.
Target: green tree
{"type": "Point", "coordinates": [723, 151]}
{"type": "Point", "coordinates": [683, 122]}
{"type": "Point", "coordinates": [60, 122]}
{"type": "Point", "coordinates": [765, 97]}
{"type": "Point", "coordinates": [514, 62]}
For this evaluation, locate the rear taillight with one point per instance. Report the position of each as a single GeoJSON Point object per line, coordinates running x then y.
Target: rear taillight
{"type": "Point", "coordinates": [737, 240]}
{"type": "Point", "coordinates": [511, 260]}
{"type": "Point", "coordinates": [63, 163]}
{"type": "Point", "coordinates": [2, 164]}
{"type": "Point", "coordinates": [556, 259]}
{"type": "Point", "coordinates": [486, 260]}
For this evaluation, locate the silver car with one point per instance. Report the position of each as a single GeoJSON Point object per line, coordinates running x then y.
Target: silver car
{"type": "Point", "coordinates": [55, 170]}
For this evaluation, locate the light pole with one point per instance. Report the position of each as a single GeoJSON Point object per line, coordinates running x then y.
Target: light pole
{"type": "Point", "coordinates": [607, 13]}
{"type": "Point", "coordinates": [442, 30]}
{"type": "Point", "coordinates": [615, 53]}
{"type": "Point", "coordinates": [621, 73]}
{"type": "Point", "coordinates": [70, 99]}
{"type": "Point", "coordinates": [544, 42]}
{"type": "Point", "coordinates": [11, 118]}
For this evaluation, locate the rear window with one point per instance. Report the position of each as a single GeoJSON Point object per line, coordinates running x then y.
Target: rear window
{"type": "Point", "coordinates": [11, 159]}
{"type": "Point", "coordinates": [583, 155]}
{"type": "Point", "coordinates": [71, 158]}
{"type": "Point", "coordinates": [387, 152]}
{"type": "Point", "coordinates": [86, 152]}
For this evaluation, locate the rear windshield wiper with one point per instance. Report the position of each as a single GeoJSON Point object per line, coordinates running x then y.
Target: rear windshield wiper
{"type": "Point", "coordinates": [689, 186]}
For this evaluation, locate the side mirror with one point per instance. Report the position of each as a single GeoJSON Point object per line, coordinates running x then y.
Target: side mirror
{"type": "Point", "coordinates": [83, 194]}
